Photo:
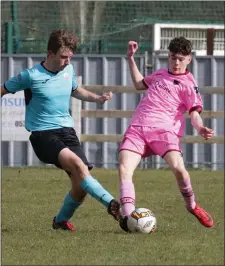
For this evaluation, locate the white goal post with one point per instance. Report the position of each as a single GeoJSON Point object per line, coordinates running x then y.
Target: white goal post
{"type": "Point", "coordinates": [196, 33]}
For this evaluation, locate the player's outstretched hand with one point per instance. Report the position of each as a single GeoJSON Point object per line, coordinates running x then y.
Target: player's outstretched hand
{"type": "Point", "coordinates": [206, 132]}
{"type": "Point", "coordinates": [132, 48]}
{"type": "Point", "coordinates": [105, 97]}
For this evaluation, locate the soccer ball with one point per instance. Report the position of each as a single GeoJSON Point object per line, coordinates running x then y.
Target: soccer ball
{"type": "Point", "coordinates": [141, 220]}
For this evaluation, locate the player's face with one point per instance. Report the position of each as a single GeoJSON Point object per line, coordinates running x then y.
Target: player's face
{"type": "Point", "coordinates": [61, 59]}
{"type": "Point", "coordinates": [178, 63]}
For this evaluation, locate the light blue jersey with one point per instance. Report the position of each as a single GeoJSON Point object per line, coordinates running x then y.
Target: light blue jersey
{"type": "Point", "coordinates": [47, 96]}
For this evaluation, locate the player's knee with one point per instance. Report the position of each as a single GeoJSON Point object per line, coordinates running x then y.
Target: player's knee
{"type": "Point", "coordinates": [125, 172]}
{"type": "Point", "coordinates": [178, 169]}
{"type": "Point", "coordinates": [78, 167]}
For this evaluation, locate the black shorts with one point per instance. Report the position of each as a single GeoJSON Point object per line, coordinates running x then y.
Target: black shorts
{"type": "Point", "coordinates": [47, 145]}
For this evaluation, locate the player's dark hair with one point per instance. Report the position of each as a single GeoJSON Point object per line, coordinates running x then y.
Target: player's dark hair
{"type": "Point", "coordinates": [62, 39]}
{"type": "Point", "coordinates": [180, 45]}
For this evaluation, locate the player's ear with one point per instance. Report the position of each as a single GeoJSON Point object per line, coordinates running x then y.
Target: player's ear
{"type": "Point", "coordinates": [50, 53]}
{"type": "Point", "coordinates": [189, 59]}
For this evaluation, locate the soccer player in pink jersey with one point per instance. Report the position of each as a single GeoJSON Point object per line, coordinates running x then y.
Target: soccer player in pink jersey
{"type": "Point", "coordinates": [158, 123]}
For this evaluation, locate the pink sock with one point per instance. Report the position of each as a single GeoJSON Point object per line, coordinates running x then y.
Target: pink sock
{"type": "Point", "coordinates": [187, 192]}
{"type": "Point", "coordinates": [127, 196]}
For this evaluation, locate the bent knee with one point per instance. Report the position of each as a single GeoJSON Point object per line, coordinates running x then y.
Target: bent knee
{"type": "Point", "coordinates": [79, 167]}
{"type": "Point", "coordinates": [72, 163]}
{"type": "Point", "coordinates": [178, 169]}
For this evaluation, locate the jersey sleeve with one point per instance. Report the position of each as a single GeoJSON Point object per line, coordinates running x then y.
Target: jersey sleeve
{"type": "Point", "coordinates": [18, 83]}
{"type": "Point", "coordinates": [147, 80]}
{"type": "Point", "coordinates": [192, 99]}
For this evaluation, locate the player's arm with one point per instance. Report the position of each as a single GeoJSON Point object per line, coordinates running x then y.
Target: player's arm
{"type": "Point", "coordinates": [197, 123]}
{"type": "Point", "coordinates": [80, 93]}
{"type": "Point", "coordinates": [136, 76]}
{"type": "Point", "coordinates": [17, 83]}
{"type": "Point", "coordinates": [3, 91]}
{"type": "Point", "coordinates": [87, 96]}
{"type": "Point", "coordinates": [193, 102]}
{"type": "Point", "coordinates": [196, 120]}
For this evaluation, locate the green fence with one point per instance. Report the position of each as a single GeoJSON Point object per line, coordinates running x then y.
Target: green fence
{"type": "Point", "coordinates": [102, 27]}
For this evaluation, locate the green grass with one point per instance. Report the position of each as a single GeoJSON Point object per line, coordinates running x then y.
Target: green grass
{"type": "Point", "coordinates": [31, 197]}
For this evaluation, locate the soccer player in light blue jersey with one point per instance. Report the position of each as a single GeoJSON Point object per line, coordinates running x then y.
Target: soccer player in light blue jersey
{"type": "Point", "coordinates": [48, 87]}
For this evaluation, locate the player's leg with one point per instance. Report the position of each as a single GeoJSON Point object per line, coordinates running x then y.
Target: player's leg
{"type": "Point", "coordinates": [132, 149]}
{"type": "Point", "coordinates": [167, 145]}
{"type": "Point", "coordinates": [50, 148]}
{"type": "Point", "coordinates": [76, 192]}
{"type": "Point", "coordinates": [82, 179]}
{"type": "Point", "coordinates": [80, 175]}
{"type": "Point", "coordinates": [76, 195]}
{"type": "Point", "coordinates": [72, 202]}
{"type": "Point", "coordinates": [176, 163]}
{"type": "Point", "coordinates": [47, 146]}
{"type": "Point", "coordinates": [128, 162]}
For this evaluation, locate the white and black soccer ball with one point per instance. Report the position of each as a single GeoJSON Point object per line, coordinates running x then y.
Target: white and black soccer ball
{"type": "Point", "coordinates": [141, 220]}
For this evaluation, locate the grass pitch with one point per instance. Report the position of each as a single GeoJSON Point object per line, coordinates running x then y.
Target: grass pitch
{"type": "Point", "coordinates": [31, 197]}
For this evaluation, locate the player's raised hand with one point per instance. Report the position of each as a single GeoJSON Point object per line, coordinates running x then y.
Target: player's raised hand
{"type": "Point", "coordinates": [206, 132]}
{"type": "Point", "coordinates": [132, 48]}
{"type": "Point", "coordinates": [105, 97]}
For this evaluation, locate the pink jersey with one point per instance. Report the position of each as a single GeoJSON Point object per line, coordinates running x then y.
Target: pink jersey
{"type": "Point", "coordinates": [166, 100]}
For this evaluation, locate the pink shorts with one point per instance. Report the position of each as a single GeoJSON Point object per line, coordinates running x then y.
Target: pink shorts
{"type": "Point", "coordinates": [148, 141]}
